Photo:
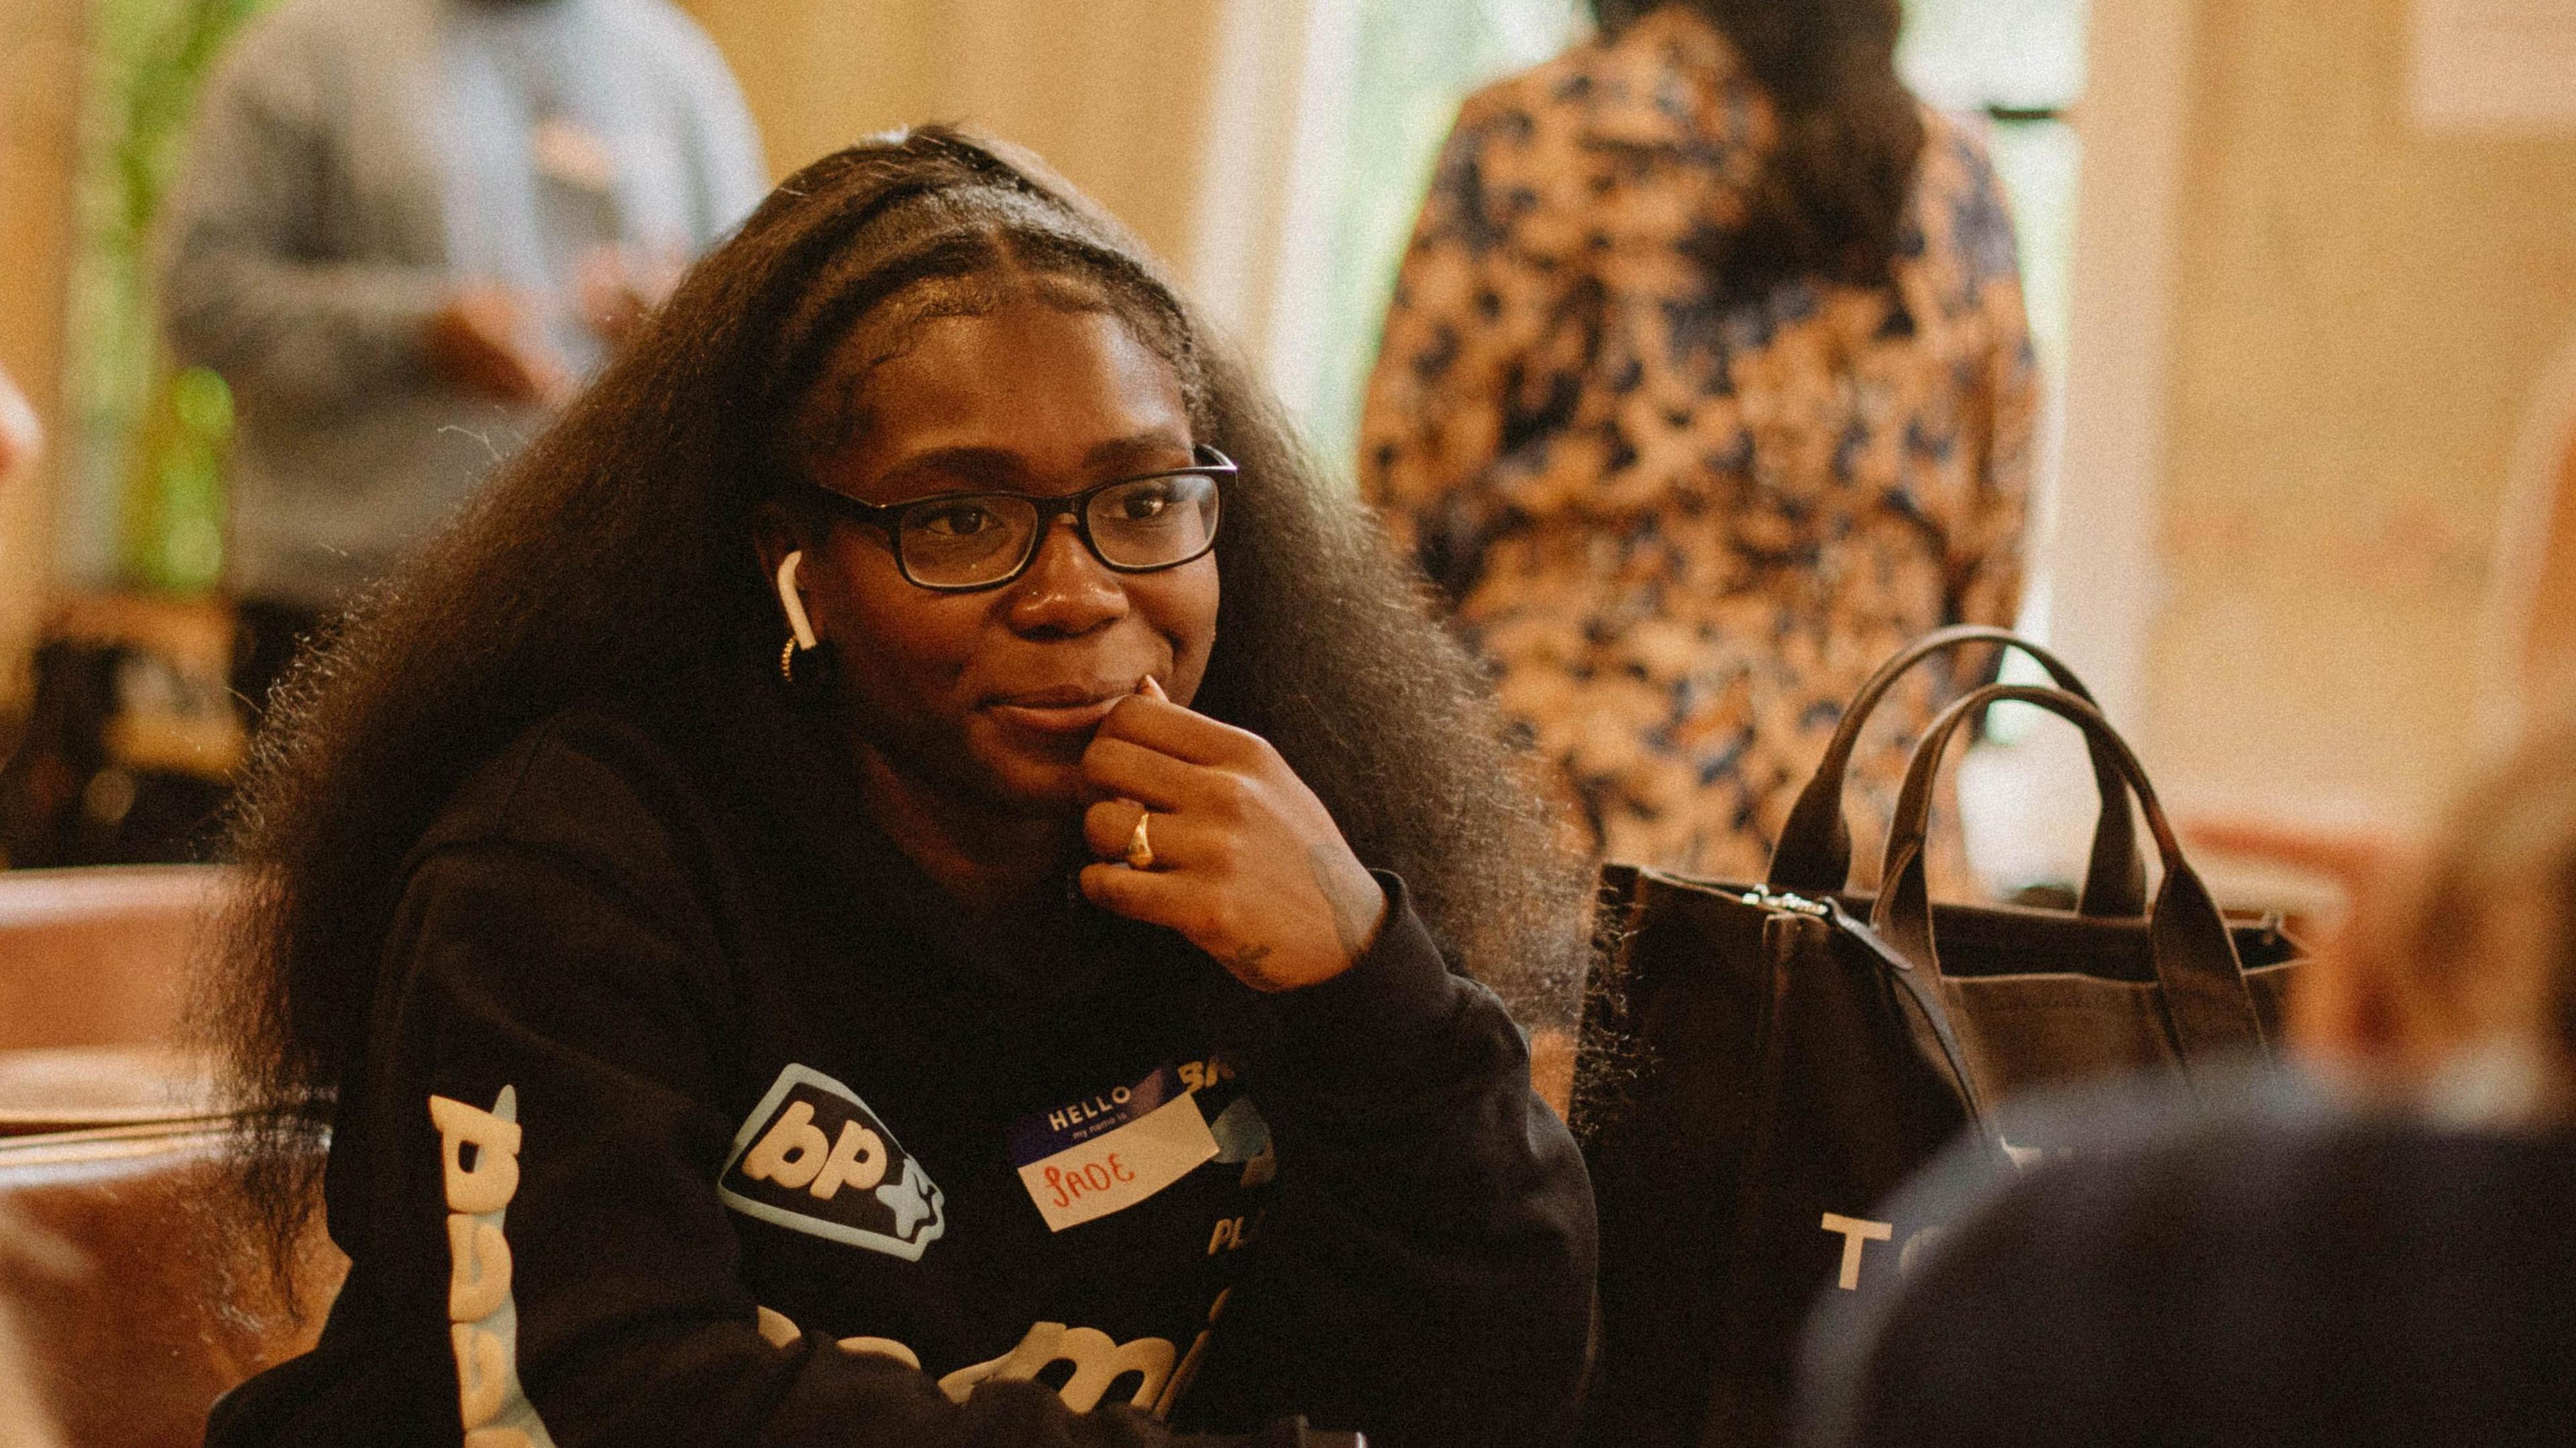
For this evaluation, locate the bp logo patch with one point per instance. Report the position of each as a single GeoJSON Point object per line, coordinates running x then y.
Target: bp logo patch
{"type": "Point", "coordinates": [814, 1159]}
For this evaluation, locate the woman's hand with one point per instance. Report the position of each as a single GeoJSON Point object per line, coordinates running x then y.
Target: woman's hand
{"type": "Point", "coordinates": [1248, 865]}
{"type": "Point", "coordinates": [487, 340]}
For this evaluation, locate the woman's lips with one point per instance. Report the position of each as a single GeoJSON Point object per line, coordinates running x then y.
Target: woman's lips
{"type": "Point", "coordinates": [1056, 711]}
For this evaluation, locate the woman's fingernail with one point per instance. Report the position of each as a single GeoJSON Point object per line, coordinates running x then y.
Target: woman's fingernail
{"type": "Point", "coordinates": [1153, 690]}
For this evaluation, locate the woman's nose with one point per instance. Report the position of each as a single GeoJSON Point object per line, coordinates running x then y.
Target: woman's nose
{"type": "Point", "coordinates": [1066, 592]}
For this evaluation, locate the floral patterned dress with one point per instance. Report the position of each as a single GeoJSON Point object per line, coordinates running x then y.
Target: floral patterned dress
{"type": "Point", "coordinates": [1684, 521]}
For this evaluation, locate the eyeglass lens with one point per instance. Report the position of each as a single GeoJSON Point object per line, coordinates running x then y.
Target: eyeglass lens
{"type": "Point", "coordinates": [1144, 524]}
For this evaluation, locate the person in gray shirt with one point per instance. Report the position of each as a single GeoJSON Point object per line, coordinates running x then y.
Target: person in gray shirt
{"type": "Point", "coordinates": [404, 231]}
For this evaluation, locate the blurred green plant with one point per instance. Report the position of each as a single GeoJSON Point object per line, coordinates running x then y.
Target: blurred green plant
{"type": "Point", "coordinates": [148, 445]}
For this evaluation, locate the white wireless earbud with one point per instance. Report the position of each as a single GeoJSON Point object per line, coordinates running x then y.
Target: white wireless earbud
{"type": "Point", "coordinates": [789, 599]}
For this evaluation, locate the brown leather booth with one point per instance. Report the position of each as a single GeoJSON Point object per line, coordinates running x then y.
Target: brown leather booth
{"type": "Point", "coordinates": [100, 956]}
{"type": "Point", "coordinates": [83, 1088]}
{"type": "Point", "coordinates": [127, 1304]}
{"type": "Point", "coordinates": [94, 970]}
{"type": "Point", "coordinates": [126, 1284]}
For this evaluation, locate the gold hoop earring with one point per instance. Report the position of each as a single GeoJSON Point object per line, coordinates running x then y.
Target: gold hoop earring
{"type": "Point", "coordinates": [809, 673]}
{"type": "Point", "coordinates": [813, 686]}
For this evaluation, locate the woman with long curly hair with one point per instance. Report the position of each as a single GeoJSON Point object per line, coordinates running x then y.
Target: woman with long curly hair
{"type": "Point", "coordinates": [1707, 385]}
{"type": "Point", "coordinates": [839, 906]}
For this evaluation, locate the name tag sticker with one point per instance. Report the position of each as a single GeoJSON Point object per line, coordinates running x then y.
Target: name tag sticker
{"type": "Point", "coordinates": [1108, 1152]}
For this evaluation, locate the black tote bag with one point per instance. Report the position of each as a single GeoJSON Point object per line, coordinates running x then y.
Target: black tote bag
{"type": "Point", "coordinates": [1763, 1064]}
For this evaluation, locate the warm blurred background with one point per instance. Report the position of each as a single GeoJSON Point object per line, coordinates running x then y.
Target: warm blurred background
{"type": "Point", "coordinates": [2300, 274]}
{"type": "Point", "coordinates": [2304, 279]}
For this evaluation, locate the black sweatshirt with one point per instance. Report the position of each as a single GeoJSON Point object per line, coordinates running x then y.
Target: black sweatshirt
{"type": "Point", "coordinates": [690, 1112]}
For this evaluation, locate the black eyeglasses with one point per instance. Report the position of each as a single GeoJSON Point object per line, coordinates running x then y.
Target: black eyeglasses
{"type": "Point", "coordinates": [960, 542]}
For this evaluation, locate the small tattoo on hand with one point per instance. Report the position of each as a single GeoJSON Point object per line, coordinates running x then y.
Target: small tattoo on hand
{"type": "Point", "coordinates": [1250, 957]}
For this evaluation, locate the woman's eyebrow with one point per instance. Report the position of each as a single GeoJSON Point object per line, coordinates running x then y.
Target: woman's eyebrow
{"type": "Point", "coordinates": [988, 466]}
{"type": "Point", "coordinates": [1002, 468]}
{"type": "Point", "coordinates": [1147, 446]}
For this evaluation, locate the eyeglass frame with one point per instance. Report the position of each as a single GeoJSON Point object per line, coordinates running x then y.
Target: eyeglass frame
{"type": "Point", "coordinates": [888, 518]}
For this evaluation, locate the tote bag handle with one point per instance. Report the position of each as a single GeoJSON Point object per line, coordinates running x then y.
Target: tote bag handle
{"type": "Point", "coordinates": [1813, 856]}
{"type": "Point", "coordinates": [2206, 1001]}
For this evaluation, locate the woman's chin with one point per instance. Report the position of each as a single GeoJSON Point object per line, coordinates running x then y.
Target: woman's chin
{"type": "Point", "coordinates": [1035, 784]}
{"type": "Point", "coordinates": [1029, 772]}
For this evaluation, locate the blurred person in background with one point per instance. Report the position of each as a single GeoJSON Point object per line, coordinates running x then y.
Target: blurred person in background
{"type": "Point", "coordinates": [24, 1420]}
{"type": "Point", "coordinates": [404, 230]}
{"type": "Point", "coordinates": [21, 438]}
{"type": "Point", "coordinates": [2529, 653]}
{"type": "Point", "coordinates": [1707, 384]}
{"type": "Point", "coordinates": [2370, 1251]}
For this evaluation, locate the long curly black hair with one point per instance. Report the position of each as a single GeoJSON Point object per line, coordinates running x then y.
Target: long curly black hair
{"type": "Point", "coordinates": [1834, 195]}
{"type": "Point", "coordinates": [613, 561]}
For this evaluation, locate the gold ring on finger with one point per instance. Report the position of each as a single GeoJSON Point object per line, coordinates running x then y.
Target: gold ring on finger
{"type": "Point", "coordinates": [1140, 845]}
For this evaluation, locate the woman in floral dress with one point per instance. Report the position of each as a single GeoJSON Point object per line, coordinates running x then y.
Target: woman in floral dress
{"type": "Point", "coordinates": [1706, 385]}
